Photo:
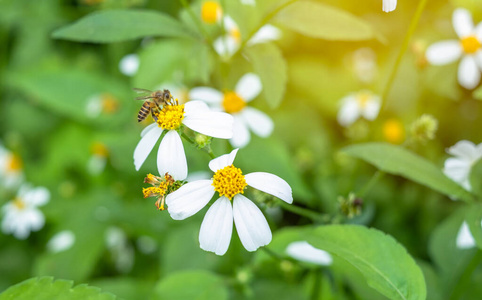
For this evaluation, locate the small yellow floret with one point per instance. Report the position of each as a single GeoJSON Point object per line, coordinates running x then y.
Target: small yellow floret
{"type": "Point", "coordinates": [235, 34]}
{"type": "Point", "coordinates": [233, 103]}
{"type": "Point", "coordinates": [229, 181]}
{"type": "Point", "coordinates": [14, 163]}
{"type": "Point", "coordinates": [109, 103]}
{"type": "Point", "coordinates": [470, 44]}
{"type": "Point", "coordinates": [99, 149]}
{"type": "Point", "coordinates": [363, 98]}
{"type": "Point", "coordinates": [155, 191]}
{"type": "Point", "coordinates": [19, 204]}
{"type": "Point", "coordinates": [210, 12]}
{"type": "Point", "coordinates": [170, 117]}
{"type": "Point", "coordinates": [393, 131]}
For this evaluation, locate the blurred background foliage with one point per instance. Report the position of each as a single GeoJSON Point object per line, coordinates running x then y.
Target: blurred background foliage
{"type": "Point", "coordinates": [46, 84]}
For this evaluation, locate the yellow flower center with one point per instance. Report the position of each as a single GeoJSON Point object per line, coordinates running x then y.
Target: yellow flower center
{"type": "Point", "coordinates": [232, 103]}
{"type": "Point", "coordinates": [99, 149]}
{"type": "Point", "coordinates": [235, 34]}
{"type": "Point", "coordinates": [210, 12]}
{"type": "Point", "coordinates": [363, 98]}
{"type": "Point", "coordinates": [470, 44]}
{"type": "Point", "coordinates": [170, 117]}
{"type": "Point", "coordinates": [393, 131]}
{"type": "Point", "coordinates": [19, 204]}
{"type": "Point", "coordinates": [229, 181]}
{"type": "Point", "coordinates": [109, 103]}
{"type": "Point", "coordinates": [155, 191]}
{"type": "Point", "coordinates": [14, 163]}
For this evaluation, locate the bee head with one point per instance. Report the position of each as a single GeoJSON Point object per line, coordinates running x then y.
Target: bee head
{"type": "Point", "coordinates": [167, 94]}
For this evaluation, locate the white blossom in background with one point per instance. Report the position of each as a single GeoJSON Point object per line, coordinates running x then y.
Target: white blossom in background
{"type": "Point", "coordinates": [170, 156]}
{"type": "Point", "coordinates": [458, 168]}
{"type": "Point", "coordinates": [98, 159]}
{"type": "Point", "coordinates": [61, 241]}
{"type": "Point", "coordinates": [468, 47]}
{"type": "Point", "coordinates": [11, 172]}
{"type": "Point", "coordinates": [235, 103]}
{"type": "Point", "coordinates": [228, 44]}
{"type": "Point", "coordinates": [249, 2]}
{"type": "Point", "coordinates": [465, 239]}
{"type": "Point", "coordinates": [21, 215]}
{"type": "Point", "coordinates": [361, 104]}
{"type": "Point", "coordinates": [364, 61]}
{"type": "Point", "coordinates": [129, 64]}
{"type": "Point", "coordinates": [229, 182]}
{"type": "Point", "coordinates": [389, 5]}
{"type": "Point", "coordinates": [101, 103]}
{"type": "Point", "coordinates": [303, 251]}
{"type": "Point", "coordinates": [122, 252]}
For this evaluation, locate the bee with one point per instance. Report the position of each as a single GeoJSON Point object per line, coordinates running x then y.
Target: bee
{"type": "Point", "coordinates": [153, 102]}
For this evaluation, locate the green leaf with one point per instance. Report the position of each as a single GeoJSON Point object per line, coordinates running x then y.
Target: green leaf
{"type": "Point", "coordinates": [399, 161]}
{"type": "Point", "coordinates": [324, 22]}
{"type": "Point", "coordinates": [474, 220]}
{"type": "Point", "coordinates": [191, 285]}
{"type": "Point", "coordinates": [121, 25]}
{"type": "Point", "coordinates": [269, 64]}
{"type": "Point", "coordinates": [40, 288]}
{"type": "Point", "coordinates": [386, 265]}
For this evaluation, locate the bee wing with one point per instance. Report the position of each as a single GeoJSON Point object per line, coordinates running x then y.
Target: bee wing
{"type": "Point", "coordinates": [143, 97]}
{"type": "Point", "coordinates": [137, 90]}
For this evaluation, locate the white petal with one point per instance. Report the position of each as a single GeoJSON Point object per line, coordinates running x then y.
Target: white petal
{"type": "Point", "coordinates": [371, 109]}
{"type": "Point", "coordinates": [37, 196]}
{"type": "Point", "coordinates": [465, 239]}
{"type": "Point", "coordinates": [33, 218]}
{"type": "Point", "coordinates": [468, 73]}
{"type": "Point", "coordinates": [210, 123]}
{"type": "Point", "coordinates": [171, 157]}
{"type": "Point", "coordinates": [458, 170]}
{"type": "Point", "coordinates": [195, 107]}
{"type": "Point", "coordinates": [229, 23]}
{"type": "Point", "coordinates": [206, 94]}
{"type": "Point", "coordinates": [61, 241]}
{"type": "Point", "coordinates": [198, 175]}
{"type": "Point", "coordinates": [252, 227]}
{"type": "Point", "coordinates": [462, 21]}
{"type": "Point", "coordinates": [265, 34]}
{"type": "Point", "coordinates": [444, 52]}
{"type": "Point", "coordinates": [349, 111]}
{"type": "Point", "coordinates": [464, 149]}
{"type": "Point", "coordinates": [189, 199]}
{"type": "Point", "coordinates": [389, 5]}
{"type": "Point", "coordinates": [303, 251]}
{"type": "Point", "coordinates": [241, 135]}
{"type": "Point", "coordinates": [226, 46]}
{"type": "Point", "coordinates": [145, 145]}
{"type": "Point", "coordinates": [249, 86]}
{"type": "Point", "coordinates": [257, 121]}
{"type": "Point", "coordinates": [129, 64]}
{"type": "Point", "coordinates": [478, 58]}
{"type": "Point", "coordinates": [223, 161]}
{"type": "Point", "coordinates": [271, 184]}
{"type": "Point", "coordinates": [217, 227]}
{"type": "Point", "coordinates": [249, 2]}
{"type": "Point", "coordinates": [148, 128]}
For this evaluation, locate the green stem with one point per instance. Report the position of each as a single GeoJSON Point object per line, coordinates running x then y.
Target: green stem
{"type": "Point", "coordinates": [461, 287]}
{"type": "Point", "coordinates": [403, 49]}
{"type": "Point", "coordinates": [272, 253]}
{"type": "Point", "coordinates": [263, 22]}
{"type": "Point", "coordinates": [377, 176]}
{"type": "Point", "coordinates": [313, 215]}
{"type": "Point", "coordinates": [315, 293]}
{"type": "Point", "coordinates": [197, 21]}
{"type": "Point", "coordinates": [208, 150]}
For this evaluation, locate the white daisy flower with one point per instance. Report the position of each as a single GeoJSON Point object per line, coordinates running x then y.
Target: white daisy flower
{"type": "Point", "coordinates": [364, 62]}
{"type": "Point", "coordinates": [389, 5]}
{"type": "Point", "coordinates": [362, 104]}
{"type": "Point", "coordinates": [248, 2]}
{"type": "Point", "coordinates": [465, 239]}
{"type": "Point", "coordinates": [171, 157]}
{"type": "Point", "coordinates": [468, 46]}
{"type": "Point", "coordinates": [234, 102]}
{"type": "Point", "coordinates": [303, 251]}
{"type": "Point", "coordinates": [11, 174]}
{"type": "Point", "coordinates": [101, 103]}
{"type": "Point", "coordinates": [61, 241]}
{"type": "Point", "coordinates": [129, 64]}
{"type": "Point", "coordinates": [121, 250]}
{"type": "Point", "coordinates": [98, 159]}
{"type": "Point", "coordinates": [21, 215]}
{"type": "Point", "coordinates": [228, 44]}
{"type": "Point", "coordinates": [458, 168]}
{"type": "Point", "coordinates": [229, 182]}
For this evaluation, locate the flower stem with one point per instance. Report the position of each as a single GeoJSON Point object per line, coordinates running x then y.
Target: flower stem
{"type": "Point", "coordinates": [403, 49]}
{"type": "Point", "coordinates": [272, 253]}
{"type": "Point", "coordinates": [377, 176]}
{"type": "Point", "coordinates": [315, 292]}
{"type": "Point", "coordinates": [197, 21]}
{"type": "Point", "coordinates": [313, 215]}
{"type": "Point", "coordinates": [461, 286]}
